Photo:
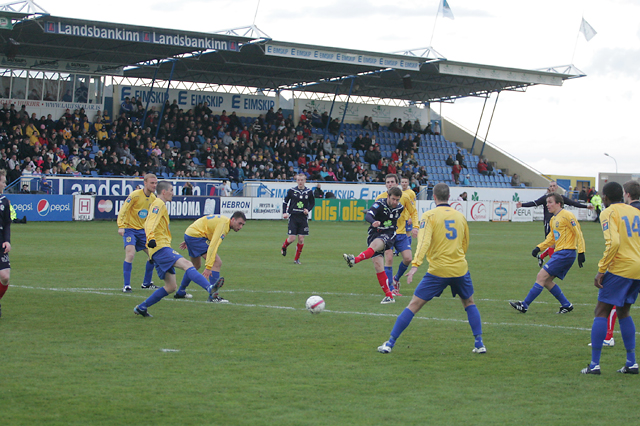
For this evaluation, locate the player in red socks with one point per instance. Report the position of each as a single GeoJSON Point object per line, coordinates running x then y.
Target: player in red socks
{"type": "Point", "coordinates": [296, 207]}
{"type": "Point", "coordinates": [383, 217]}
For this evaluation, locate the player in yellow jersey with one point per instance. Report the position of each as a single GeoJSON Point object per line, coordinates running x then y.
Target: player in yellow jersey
{"type": "Point", "coordinates": [618, 276]}
{"type": "Point", "coordinates": [444, 240]}
{"type": "Point", "coordinates": [164, 257]}
{"type": "Point", "coordinates": [566, 237]}
{"type": "Point", "coordinates": [131, 218]}
{"type": "Point", "coordinates": [402, 241]}
{"type": "Point", "coordinates": [204, 237]}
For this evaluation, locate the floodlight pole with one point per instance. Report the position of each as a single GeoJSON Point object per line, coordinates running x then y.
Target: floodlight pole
{"type": "Point", "coordinates": [614, 160]}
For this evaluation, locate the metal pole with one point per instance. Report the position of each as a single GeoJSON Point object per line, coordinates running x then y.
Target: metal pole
{"type": "Point", "coordinates": [487, 135]}
{"type": "Point", "coordinates": [166, 97]}
{"type": "Point", "coordinates": [479, 121]}
{"type": "Point", "coordinates": [614, 160]}
{"type": "Point", "coordinates": [344, 113]}
{"type": "Point", "coordinates": [146, 108]}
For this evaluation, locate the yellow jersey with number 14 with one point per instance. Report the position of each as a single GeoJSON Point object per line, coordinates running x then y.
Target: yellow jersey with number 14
{"type": "Point", "coordinates": [444, 239]}
{"type": "Point", "coordinates": [621, 229]}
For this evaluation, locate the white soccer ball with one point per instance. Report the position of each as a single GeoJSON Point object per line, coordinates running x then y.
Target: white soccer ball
{"type": "Point", "coordinates": [315, 304]}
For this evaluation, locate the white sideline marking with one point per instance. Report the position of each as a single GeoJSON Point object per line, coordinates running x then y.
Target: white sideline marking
{"type": "Point", "coordinates": [248, 305]}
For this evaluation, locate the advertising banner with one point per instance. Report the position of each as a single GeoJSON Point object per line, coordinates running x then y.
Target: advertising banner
{"type": "Point", "coordinates": [242, 105]}
{"type": "Point", "coordinates": [123, 186]}
{"type": "Point", "coordinates": [107, 207]}
{"type": "Point", "coordinates": [501, 211]}
{"type": "Point", "coordinates": [230, 205]}
{"type": "Point", "coordinates": [334, 210]}
{"type": "Point", "coordinates": [83, 207]}
{"type": "Point", "coordinates": [478, 211]}
{"type": "Point", "coordinates": [522, 214]}
{"type": "Point", "coordinates": [340, 190]}
{"type": "Point", "coordinates": [43, 207]}
{"type": "Point", "coordinates": [266, 208]}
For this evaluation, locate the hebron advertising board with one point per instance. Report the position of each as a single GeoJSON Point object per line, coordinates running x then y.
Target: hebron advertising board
{"type": "Point", "coordinates": [43, 207]}
{"type": "Point", "coordinates": [107, 207]}
{"type": "Point", "coordinates": [230, 205]}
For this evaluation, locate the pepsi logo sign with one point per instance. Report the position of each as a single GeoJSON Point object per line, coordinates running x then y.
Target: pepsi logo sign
{"type": "Point", "coordinates": [43, 207]}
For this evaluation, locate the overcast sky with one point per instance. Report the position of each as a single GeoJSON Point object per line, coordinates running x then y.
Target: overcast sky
{"type": "Point", "coordinates": [557, 130]}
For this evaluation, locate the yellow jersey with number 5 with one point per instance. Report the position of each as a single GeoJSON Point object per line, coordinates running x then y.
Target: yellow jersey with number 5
{"type": "Point", "coordinates": [444, 239]}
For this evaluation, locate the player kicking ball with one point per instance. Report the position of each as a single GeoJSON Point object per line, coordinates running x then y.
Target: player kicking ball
{"type": "Point", "coordinates": [163, 256]}
{"type": "Point", "coordinates": [383, 217]}
{"type": "Point", "coordinates": [444, 239]}
{"type": "Point", "coordinates": [567, 238]}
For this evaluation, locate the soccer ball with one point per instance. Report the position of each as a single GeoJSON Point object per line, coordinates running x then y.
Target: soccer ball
{"type": "Point", "coordinates": [315, 304]}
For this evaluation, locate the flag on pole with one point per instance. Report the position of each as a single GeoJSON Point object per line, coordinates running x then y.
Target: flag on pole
{"type": "Point", "coordinates": [447, 13]}
{"type": "Point", "coordinates": [585, 29]}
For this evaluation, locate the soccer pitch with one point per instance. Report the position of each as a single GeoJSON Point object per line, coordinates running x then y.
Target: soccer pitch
{"type": "Point", "coordinates": [73, 353]}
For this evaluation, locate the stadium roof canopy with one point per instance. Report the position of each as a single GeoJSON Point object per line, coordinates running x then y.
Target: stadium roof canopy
{"type": "Point", "coordinates": [46, 41]}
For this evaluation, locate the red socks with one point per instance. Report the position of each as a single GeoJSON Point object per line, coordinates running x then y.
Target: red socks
{"type": "Point", "coordinates": [3, 289]}
{"type": "Point", "coordinates": [367, 254]}
{"type": "Point", "coordinates": [286, 243]}
{"type": "Point", "coordinates": [610, 325]}
{"type": "Point", "coordinates": [382, 279]}
{"type": "Point", "coordinates": [298, 251]}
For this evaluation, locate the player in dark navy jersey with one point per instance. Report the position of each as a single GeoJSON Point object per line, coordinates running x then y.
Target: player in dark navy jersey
{"type": "Point", "coordinates": [383, 217]}
{"type": "Point", "coordinates": [5, 237]}
{"type": "Point", "coordinates": [296, 207]}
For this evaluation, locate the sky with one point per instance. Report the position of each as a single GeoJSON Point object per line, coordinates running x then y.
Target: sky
{"type": "Point", "coordinates": [556, 130]}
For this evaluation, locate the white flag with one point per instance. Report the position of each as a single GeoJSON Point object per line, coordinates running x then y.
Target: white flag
{"type": "Point", "coordinates": [447, 13]}
{"type": "Point", "coordinates": [585, 29]}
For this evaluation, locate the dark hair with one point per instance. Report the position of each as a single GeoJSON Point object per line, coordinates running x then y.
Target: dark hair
{"type": "Point", "coordinates": [613, 191]}
{"type": "Point", "coordinates": [395, 191]}
{"type": "Point", "coordinates": [632, 188]}
{"type": "Point", "coordinates": [556, 197]}
{"type": "Point", "coordinates": [239, 214]}
{"type": "Point", "coordinates": [441, 192]}
{"type": "Point", "coordinates": [392, 175]}
{"type": "Point", "coordinates": [163, 185]}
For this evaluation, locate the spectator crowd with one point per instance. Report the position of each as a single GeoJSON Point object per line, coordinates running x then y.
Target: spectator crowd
{"type": "Point", "coordinates": [197, 144]}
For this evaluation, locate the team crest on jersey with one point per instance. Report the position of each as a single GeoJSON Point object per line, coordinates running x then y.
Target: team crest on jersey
{"type": "Point", "coordinates": [605, 226]}
{"type": "Point", "coordinates": [573, 222]}
{"type": "Point", "coordinates": [222, 237]}
{"type": "Point", "coordinates": [300, 204]}
{"type": "Point", "coordinates": [1, 207]}
{"type": "Point", "coordinates": [156, 210]}
{"type": "Point", "coordinates": [128, 239]}
{"type": "Point", "coordinates": [423, 224]}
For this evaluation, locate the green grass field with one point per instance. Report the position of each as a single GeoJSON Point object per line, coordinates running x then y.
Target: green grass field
{"type": "Point", "coordinates": [73, 353]}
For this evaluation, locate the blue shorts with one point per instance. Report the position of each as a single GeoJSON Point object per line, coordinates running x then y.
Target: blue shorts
{"type": "Point", "coordinates": [402, 242]}
{"type": "Point", "coordinates": [617, 290]}
{"type": "Point", "coordinates": [135, 237]}
{"type": "Point", "coordinates": [164, 259]}
{"type": "Point", "coordinates": [560, 263]}
{"type": "Point", "coordinates": [432, 286]}
{"type": "Point", "coordinates": [196, 246]}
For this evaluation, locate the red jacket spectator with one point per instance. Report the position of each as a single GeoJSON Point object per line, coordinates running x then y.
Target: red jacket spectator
{"type": "Point", "coordinates": [482, 167]}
